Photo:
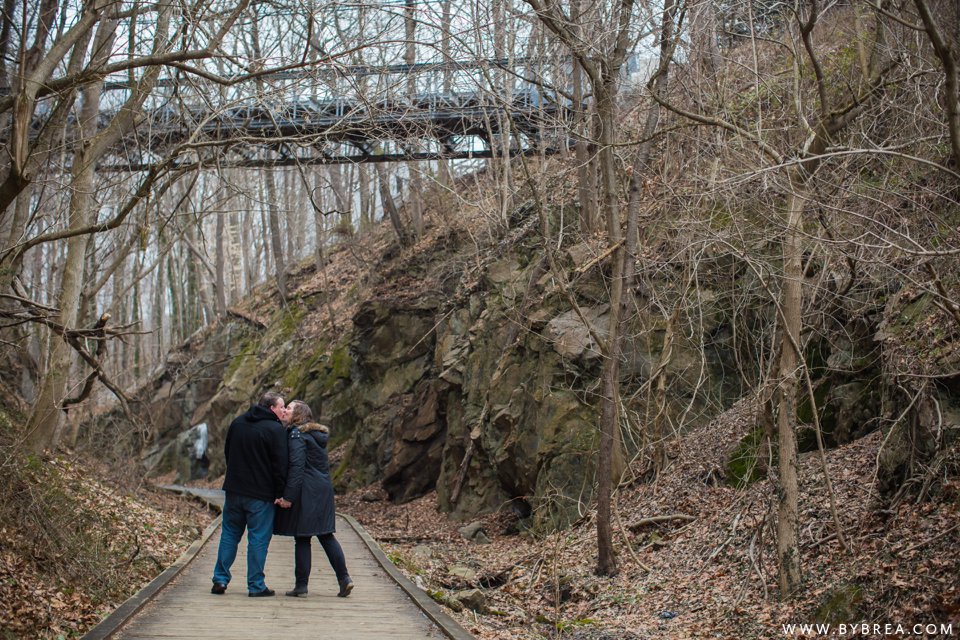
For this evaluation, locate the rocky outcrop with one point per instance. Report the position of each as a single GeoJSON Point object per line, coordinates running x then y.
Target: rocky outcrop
{"type": "Point", "coordinates": [186, 455]}
{"type": "Point", "coordinates": [376, 391]}
{"type": "Point", "coordinates": [185, 392]}
{"type": "Point", "coordinates": [489, 395]}
{"type": "Point", "coordinates": [493, 400]}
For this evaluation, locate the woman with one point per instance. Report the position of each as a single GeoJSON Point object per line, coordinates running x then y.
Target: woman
{"type": "Point", "coordinates": [306, 508]}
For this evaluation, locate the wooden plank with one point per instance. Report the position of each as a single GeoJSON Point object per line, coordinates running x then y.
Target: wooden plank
{"type": "Point", "coordinates": [315, 633]}
{"type": "Point", "coordinates": [378, 608]}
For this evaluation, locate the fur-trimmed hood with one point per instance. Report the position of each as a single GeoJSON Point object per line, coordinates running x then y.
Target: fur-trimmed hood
{"type": "Point", "coordinates": [313, 426]}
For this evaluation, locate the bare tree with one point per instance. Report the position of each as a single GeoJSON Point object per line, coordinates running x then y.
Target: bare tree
{"type": "Point", "coordinates": [602, 54]}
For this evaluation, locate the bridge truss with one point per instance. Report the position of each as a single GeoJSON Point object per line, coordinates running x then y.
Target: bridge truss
{"type": "Point", "coordinates": [433, 125]}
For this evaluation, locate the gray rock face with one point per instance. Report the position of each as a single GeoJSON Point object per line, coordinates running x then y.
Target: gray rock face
{"type": "Point", "coordinates": [573, 338]}
{"type": "Point", "coordinates": [186, 455]}
{"type": "Point", "coordinates": [492, 399]}
{"type": "Point", "coordinates": [490, 403]}
{"type": "Point", "coordinates": [192, 387]}
{"type": "Point", "coordinates": [385, 402]}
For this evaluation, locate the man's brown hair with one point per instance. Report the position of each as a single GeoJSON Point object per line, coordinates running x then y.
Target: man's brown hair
{"type": "Point", "coordinates": [270, 399]}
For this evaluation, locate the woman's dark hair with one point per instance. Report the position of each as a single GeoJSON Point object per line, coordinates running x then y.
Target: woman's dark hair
{"type": "Point", "coordinates": [300, 412]}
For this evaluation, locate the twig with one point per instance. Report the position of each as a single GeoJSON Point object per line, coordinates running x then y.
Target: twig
{"type": "Point", "coordinates": [658, 519]}
{"type": "Point", "coordinates": [626, 541]}
{"type": "Point", "coordinates": [756, 566]}
{"type": "Point", "coordinates": [821, 541]}
{"type": "Point", "coordinates": [400, 538]}
{"type": "Point", "coordinates": [929, 540]}
{"type": "Point", "coordinates": [746, 582]}
{"type": "Point", "coordinates": [600, 258]}
{"type": "Point", "coordinates": [133, 556]}
{"type": "Point", "coordinates": [716, 552]}
{"type": "Point", "coordinates": [92, 377]}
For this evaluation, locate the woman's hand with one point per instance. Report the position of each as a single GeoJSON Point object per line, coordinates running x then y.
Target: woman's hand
{"type": "Point", "coordinates": [283, 504]}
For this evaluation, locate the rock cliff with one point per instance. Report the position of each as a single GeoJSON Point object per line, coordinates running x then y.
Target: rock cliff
{"type": "Point", "coordinates": [469, 370]}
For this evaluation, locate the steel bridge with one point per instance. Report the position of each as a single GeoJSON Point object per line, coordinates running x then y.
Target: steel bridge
{"type": "Point", "coordinates": [308, 131]}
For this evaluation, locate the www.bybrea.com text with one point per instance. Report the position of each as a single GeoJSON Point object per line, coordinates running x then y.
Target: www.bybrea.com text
{"type": "Point", "coordinates": [865, 629]}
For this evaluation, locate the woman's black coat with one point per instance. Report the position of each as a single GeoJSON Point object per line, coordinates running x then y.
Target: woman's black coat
{"type": "Point", "coordinates": [309, 487]}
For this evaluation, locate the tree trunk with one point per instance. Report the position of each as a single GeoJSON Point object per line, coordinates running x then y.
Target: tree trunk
{"type": "Point", "coordinates": [415, 202]}
{"type": "Point", "coordinates": [272, 222]}
{"type": "Point", "coordinates": [10, 268]}
{"type": "Point", "coordinates": [339, 184]}
{"type": "Point", "coordinates": [610, 465]}
{"type": "Point", "coordinates": [11, 264]}
{"type": "Point", "coordinates": [586, 175]}
{"type": "Point", "coordinates": [260, 246]}
{"type": "Point", "coordinates": [221, 265]}
{"type": "Point", "coordinates": [276, 236]}
{"type": "Point", "coordinates": [446, 19]}
{"type": "Point", "coordinates": [290, 217]}
{"type": "Point", "coordinates": [504, 86]}
{"type": "Point", "coordinates": [159, 313]}
{"type": "Point", "coordinates": [586, 172]}
{"type": "Point", "coordinates": [136, 317]}
{"type": "Point", "coordinates": [946, 51]}
{"type": "Point", "coordinates": [366, 199]}
{"type": "Point", "coordinates": [788, 551]}
{"type": "Point", "coordinates": [386, 199]}
{"type": "Point", "coordinates": [250, 262]}
{"type": "Point", "coordinates": [43, 426]}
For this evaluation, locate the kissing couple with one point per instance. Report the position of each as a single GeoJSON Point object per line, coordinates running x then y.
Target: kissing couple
{"type": "Point", "coordinates": [278, 482]}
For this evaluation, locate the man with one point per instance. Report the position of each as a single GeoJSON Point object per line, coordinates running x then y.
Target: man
{"type": "Point", "coordinates": [256, 455]}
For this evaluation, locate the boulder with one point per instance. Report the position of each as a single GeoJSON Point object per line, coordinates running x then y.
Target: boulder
{"type": "Point", "coordinates": [417, 436]}
{"type": "Point", "coordinates": [475, 533]}
{"type": "Point", "coordinates": [462, 571]}
{"type": "Point", "coordinates": [572, 338]}
{"type": "Point", "coordinates": [474, 599]}
{"type": "Point", "coordinates": [422, 551]}
{"type": "Point", "coordinates": [386, 335]}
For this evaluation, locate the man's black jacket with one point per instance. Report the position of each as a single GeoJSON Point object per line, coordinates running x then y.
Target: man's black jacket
{"type": "Point", "coordinates": [256, 455]}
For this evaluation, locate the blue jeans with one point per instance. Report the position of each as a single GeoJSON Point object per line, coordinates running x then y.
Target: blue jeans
{"type": "Point", "coordinates": [256, 516]}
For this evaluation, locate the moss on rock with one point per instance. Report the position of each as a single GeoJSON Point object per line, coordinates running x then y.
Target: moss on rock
{"type": "Point", "coordinates": [841, 604]}
{"type": "Point", "coordinates": [746, 464]}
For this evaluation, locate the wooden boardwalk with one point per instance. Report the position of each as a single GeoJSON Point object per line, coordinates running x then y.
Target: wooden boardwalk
{"type": "Point", "coordinates": [377, 609]}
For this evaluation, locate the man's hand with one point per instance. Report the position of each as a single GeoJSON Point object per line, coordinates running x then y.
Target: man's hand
{"type": "Point", "coordinates": [283, 504]}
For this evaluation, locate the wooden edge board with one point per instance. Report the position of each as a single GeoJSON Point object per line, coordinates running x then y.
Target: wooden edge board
{"type": "Point", "coordinates": [112, 623]}
{"type": "Point", "coordinates": [431, 609]}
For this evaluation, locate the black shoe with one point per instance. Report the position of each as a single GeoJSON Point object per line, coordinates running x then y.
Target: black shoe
{"type": "Point", "coordinates": [218, 588]}
{"type": "Point", "coordinates": [297, 592]}
{"type": "Point", "coordinates": [266, 593]}
{"type": "Point", "coordinates": [346, 586]}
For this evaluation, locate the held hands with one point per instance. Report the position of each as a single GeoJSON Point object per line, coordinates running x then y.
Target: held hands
{"type": "Point", "coordinates": [283, 504]}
